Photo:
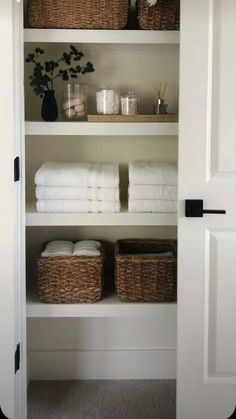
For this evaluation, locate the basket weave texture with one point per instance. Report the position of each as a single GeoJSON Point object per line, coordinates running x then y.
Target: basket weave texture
{"type": "Point", "coordinates": [165, 15]}
{"type": "Point", "coordinates": [142, 275]}
{"type": "Point", "coordinates": [84, 14]}
{"type": "Point", "coordinates": [75, 279]}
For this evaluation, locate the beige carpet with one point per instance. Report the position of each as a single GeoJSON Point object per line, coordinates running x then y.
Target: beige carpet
{"type": "Point", "coordinates": [106, 399]}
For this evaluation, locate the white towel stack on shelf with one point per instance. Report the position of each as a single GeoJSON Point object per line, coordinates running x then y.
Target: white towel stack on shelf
{"type": "Point", "coordinates": [152, 187]}
{"type": "Point", "coordinates": [77, 187]}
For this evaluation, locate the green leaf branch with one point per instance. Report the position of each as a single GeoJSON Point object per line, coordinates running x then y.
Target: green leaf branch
{"type": "Point", "coordinates": [44, 74]}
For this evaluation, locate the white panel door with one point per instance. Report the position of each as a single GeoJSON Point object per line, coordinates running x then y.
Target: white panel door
{"type": "Point", "coordinates": [12, 295]}
{"type": "Point", "coordinates": [206, 386]}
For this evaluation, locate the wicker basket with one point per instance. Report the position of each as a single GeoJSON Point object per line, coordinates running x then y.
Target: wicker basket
{"type": "Point", "coordinates": [84, 14]}
{"type": "Point", "coordinates": [164, 15]}
{"type": "Point", "coordinates": [75, 279]}
{"type": "Point", "coordinates": [142, 275]}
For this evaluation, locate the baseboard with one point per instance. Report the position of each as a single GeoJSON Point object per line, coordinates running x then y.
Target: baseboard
{"type": "Point", "coordinates": [102, 364]}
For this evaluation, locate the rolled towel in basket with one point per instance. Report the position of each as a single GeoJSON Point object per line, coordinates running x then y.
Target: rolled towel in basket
{"type": "Point", "coordinates": [155, 205]}
{"type": "Point", "coordinates": [152, 2]}
{"type": "Point", "coordinates": [62, 206]}
{"type": "Point", "coordinates": [153, 192]}
{"type": "Point", "coordinates": [152, 173]}
{"type": "Point", "coordinates": [58, 248]}
{"type": "Point", "coordinates": [67, 192]}
{"type": "Point", "coordinates": [78, 175]}
{"type": "Point", "coordinates": [87, 248]}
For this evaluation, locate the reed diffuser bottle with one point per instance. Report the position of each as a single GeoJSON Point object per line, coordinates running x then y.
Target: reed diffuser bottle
{"type": "Point", "coordinates": [160, 107]}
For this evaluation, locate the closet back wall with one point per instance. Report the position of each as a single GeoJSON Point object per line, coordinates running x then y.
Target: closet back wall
{"type": "Point", "coordinates": [126, 67]}
{"type": "Point", "coordinates": [92, 348]}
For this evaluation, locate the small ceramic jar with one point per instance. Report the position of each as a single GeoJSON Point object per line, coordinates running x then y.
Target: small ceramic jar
{"type": "Point", "coordinates": [108, 102]}
{"type": "Point", "coordinates": [130, 104]}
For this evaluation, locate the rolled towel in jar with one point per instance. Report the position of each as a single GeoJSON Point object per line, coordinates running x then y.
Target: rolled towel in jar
{"type": "Point", "coordinates": [78, 101]}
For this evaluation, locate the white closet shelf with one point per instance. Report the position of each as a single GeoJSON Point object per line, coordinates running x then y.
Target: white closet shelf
{"type": "Point", "coordinates": [101, 36]}
{"type": "Point", "coordinates": [109, 306]}
{"type": "Point", "coordinates": [98, 128]}
{"type": "Point", "coordinates": [123, 218]}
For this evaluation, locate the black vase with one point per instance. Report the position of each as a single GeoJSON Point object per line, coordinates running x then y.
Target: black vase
{"type": "Point", "coordinates": [49, 111]}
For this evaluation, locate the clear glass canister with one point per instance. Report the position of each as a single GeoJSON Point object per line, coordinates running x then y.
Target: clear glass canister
{"type": "Point", "coordinates": [130, 104]}
{"type": "Point", "coordinates": [108, 102]}
{"type": "Point", "coordinates": [74, 101]}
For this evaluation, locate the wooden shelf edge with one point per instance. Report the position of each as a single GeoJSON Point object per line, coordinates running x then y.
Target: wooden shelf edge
{"type": "Point", "coordinates": [97, 128]}
{"type": "Point", "coordinates": [168, 118]}
{"type": "Point", "coordinates": [34, 218]}
{"type": "Point", "coordinates": [108, 306]}
{"type": "Point", "coordinates": [96, 36]}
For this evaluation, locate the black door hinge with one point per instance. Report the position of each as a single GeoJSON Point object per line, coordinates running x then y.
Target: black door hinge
{"type": "Point", "coordinates": [17, 358]}
{"type": "Point", "coordinates": [17, 169]}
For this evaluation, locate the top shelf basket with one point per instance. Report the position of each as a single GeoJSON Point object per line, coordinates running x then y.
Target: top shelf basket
{"type": "Point", "coordinates": [164, 15]}
{"type": "Point", "coordinates": [78, 14]}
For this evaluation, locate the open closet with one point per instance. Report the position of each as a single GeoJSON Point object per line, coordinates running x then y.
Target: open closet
{"type": "Point", "coordinates": [109, 339]}
{"type": "Point", "coordinates": [113, 339]}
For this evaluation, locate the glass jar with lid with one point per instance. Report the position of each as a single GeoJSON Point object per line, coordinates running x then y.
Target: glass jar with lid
{"type": "Point", "coordinates": [130, 103]}
{"type": "Point", "coordinates": [108, 101]}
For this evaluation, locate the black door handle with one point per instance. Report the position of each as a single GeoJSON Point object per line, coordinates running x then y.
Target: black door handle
{"type": "Point", "coordinates": [194, 208]}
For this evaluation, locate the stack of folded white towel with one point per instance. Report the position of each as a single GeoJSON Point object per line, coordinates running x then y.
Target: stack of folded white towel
{"type": "Point", "coordinates": [152, 187]}
{"type": "Point", "coordinates": [77, 187]}
{"type": "Point", "coordinates": [67, 248]}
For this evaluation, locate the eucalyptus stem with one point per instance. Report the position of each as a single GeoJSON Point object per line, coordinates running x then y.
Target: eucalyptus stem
{"type": "Point", "coordinates": [44, 74]}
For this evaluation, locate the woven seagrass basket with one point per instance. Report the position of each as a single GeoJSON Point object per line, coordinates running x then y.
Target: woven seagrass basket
{"type": "Point", "coordinates": [75, 279]}
{"type": "Point", "coordinates": [164, 15]}
{"type": "Point", "coordinates": [84, 14]}
{"type": "Point", "coordinates": [142, 275]}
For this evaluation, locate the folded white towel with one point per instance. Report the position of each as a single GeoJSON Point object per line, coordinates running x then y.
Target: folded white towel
{"type": "Point", "coordinates": [87, 248]}
{"type": "Point", "coordinates": [58, 248]}
{"type": "Point", "coordinates": [67, 192]}
{"type": "Point", "coordinates": [155, 205]}
{"type": "Point", "coordinates": [78, 174]}
{"type": "Point", "coordinates": [95, 243]}
{"type": "Point", "coordinates": [153, 192]}
{"type": "Point", "coordinates": [67, 248]}
{"type": "Point", "coordinates": [71, 205]}
{"type": "Point", "coordinates": [152, 173]}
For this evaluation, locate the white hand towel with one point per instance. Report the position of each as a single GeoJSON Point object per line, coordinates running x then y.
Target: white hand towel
{"type": "Point", "coordinates": [87, 248]}
{"type": "Point", "coordinates": [78, 175]}
{"type": "Point", "coordinates": [95, 243]}
{"type": "Point", "coordinates": [156, 205]}
{"type": "Point", "coordinates": [58, 248]}
{"type": "Point", "coordinates": [79, 101]}
{"type": "Point", "coordinates": [153, 192]}
{"type": "Point", "coordinates": [62, 206]}
{"type": "Point", "coordinates": [67, 192]}
{"type": "Point", "coordinates": [152, 173]}
{"type": "Point", "coordinates": [151, 2]}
